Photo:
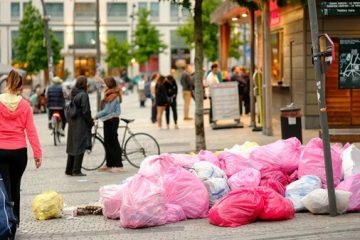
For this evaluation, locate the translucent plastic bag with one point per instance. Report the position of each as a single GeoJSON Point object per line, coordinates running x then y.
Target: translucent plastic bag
{"type": "Point", "coordinates": [317, 201]}
{"type": "Point", "coordinates": [248, 177]}
{"type": "Point", "coordinates": [276, 207]}
{"type": "Point", "coordinates": [217, 188]}
{"type": "Point", "coordinates": [312, 161]}
{"type": "Point", "coordinates": [111, 199]}
{"type": "Point", "coordinates": [174, 213]}
{"type": "Point", "coordinates": [296, 190]}
{"type": "Point", "coordinates": [239, 207]}
{"type": "Point", "coordinates": [143, 203]}
{"type": "Point", "coordinates": [205, 155]}
{"type": "Point", "coordinates": [352, 184]}
{"type": "Point", "coordinates": [184, 160]}
{"type": "Point", "coordinates": [205, 170]}
{"type": "Point", "coordinates": [47, 205]}
{"type": "Point", "coordinates": [184, 189]}
{"type": "Point", "coordinates": [244, 149]}
{"type": "Point", "coordinates": [232, 163]}
{"type": "Point", "coordinates": [350, 161]}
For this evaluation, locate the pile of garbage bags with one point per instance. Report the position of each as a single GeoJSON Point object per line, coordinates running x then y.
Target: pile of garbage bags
{"type": "Point", "coordinates": [236, 186]}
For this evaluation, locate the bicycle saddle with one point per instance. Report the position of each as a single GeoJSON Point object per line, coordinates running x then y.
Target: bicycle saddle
{"type": "Point", "coordinates": [127, 120]}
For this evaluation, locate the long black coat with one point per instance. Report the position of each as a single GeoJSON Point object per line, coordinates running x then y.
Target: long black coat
{"type": "Point", "coordinates": [79, 131]}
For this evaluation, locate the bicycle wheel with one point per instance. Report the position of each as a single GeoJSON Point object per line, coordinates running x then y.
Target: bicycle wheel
{"type": "Point", "coordinates": [139, 146]}
{"type": "Point", "coordinates": [55, 132]}
{"type": "Point", "coordinates": [94, 158]}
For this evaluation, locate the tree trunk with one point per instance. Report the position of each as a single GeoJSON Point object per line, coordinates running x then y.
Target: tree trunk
{"type": "Point", "coordinates": [199, 57]}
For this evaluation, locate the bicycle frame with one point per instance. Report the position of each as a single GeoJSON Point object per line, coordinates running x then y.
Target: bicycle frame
{"type": "Point", "coordinates": [127, 130]}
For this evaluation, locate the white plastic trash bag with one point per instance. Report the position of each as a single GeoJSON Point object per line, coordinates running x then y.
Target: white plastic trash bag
{"type": "Point", "coordinates": [351, 161]}
{"type": "Point", "coordinates": [244, 150]}
{"type": "Point", "coordinates": [317, 201]}
{"type": "Point", "coordinates": [297, 190]}
{"type": "Point", "coordinates": [217, 188]}
{"type": "Point", "coordinates": [205, 170]}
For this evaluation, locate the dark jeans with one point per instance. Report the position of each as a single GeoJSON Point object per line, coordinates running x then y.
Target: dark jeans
{"type": "Point", "coordinates": [12, 167]}
{"type": "Point", "coordinates": [173, 106]}
{"type": "Point", "coordinates": [112, 146]}
{"type": "Point", "coordinates": [74, 163]}
{"type": "Point", "coordinates": [246, 99]}
{"type": "Point", "coordinates": [62, 115]}
{"type": "Point", "coordinates": [153, 110]}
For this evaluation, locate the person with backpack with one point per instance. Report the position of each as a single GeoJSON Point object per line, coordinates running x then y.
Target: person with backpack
{"type": "Point", "coordinates": [172, 91]}
{"type": "Point", "coordinates": [16, 123]}
{"type": "Point", "coordinates": [109, 114]}
{"type": "Point", "coordinates": [79, 130]}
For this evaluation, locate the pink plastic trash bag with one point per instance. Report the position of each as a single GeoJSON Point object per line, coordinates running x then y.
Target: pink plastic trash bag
{"type": "Point", "coordinates": [248, 177]}
{"type": "Point", "coordinates": [156, 165]}
{"type": "Point", "coordinates": [352, 184]}
{"type": "Point", "coordinates": [143, 203]}
{"type": "Point", "coordinates": [205, 155]}
{"type": "Point", "coordinates": [283, 153]}
{"type": "Point", "coordinates": [232, 163]}
{"type": "Point", "coordinates": [184, 189]}
{"type": "Point", "coordinates": [238, 208]}
{"type": "Point", "coordinates": [184, 160]}
{"type": "Point", "coordinates": [274, 173]}
{"type": "Point", "coordinates": [312, 161]}
{"type": "Point", "coordinates": [276, 207]}
{"type": "Point", "coordinates": [111, 198]}
{"type": "Point", "coordinates": [274, 185]}
{"type": "Point", "coordinates": [174, 213]}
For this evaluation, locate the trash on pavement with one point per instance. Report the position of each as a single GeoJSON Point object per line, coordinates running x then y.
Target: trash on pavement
{"type": "Point", "coordinates": [47, 205]}
{"type": "Point", "coordinates": [352, 184]}
{"type": "Point", "coordinates": [350, 161]}
{"type": "Point", "coordinates": [248, 177]}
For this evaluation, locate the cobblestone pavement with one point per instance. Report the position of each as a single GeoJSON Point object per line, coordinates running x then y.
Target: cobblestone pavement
{"type": "Point", "coordinates": [83, 190]}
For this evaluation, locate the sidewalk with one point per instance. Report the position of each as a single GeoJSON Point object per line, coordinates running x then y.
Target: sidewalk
{"type": "Point", "coordinates": [83, 190]}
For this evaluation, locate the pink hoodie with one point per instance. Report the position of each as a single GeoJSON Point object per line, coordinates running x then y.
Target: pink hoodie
{"type": "Point", "coordinates": [13, 125]}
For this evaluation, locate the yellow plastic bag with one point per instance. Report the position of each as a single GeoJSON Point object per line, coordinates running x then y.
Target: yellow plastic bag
{"type": "Point", "coordinates": [47, 205]}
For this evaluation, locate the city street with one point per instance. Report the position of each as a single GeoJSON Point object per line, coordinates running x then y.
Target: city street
{"type": "Point", "coordinates": [84, 190]}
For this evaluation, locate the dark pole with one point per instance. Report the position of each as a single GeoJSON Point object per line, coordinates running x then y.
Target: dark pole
{"type": "Point", "coordinates": [98, 53]}
{"type": "Point", "coordinates": [74, 55]}
{"type": "Point", "coordinates": [291, 71]}
{"type": "Point", "coordinates": [132, 16]}
{"type": "Point", "coordinates": [252, 67]}
{"type": "Point", "coordinates": [319, 76]}
{"type": "Point", "coordinates": [48, 43]}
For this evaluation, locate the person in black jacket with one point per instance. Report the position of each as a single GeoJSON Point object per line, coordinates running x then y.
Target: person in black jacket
{"type": "Point", "coordinates": [55, 96]}
{"type": "Point", "coordinates": [79, 131]}
{"type": "Point", "coordinates": [171, 90]}
{"type": "Point", "coordinates": [161, 99]}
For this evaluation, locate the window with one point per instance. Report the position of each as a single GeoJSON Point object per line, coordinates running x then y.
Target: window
{"type": "Point", "coordinates": [185, 13]}
{"type": "Point", "coordinates": [177, 41]}
{"type": "Point", "coordinates": [25, 4]}
{"type": "Point", "coordinates": [117, 11]}
{"type": "Point", "coordinates": [14, 34]}
{"type": "Point", "coordinates": [55, 10]}
{"type": "Point", "coordinates": [154, 11]}
{"type": "Point", "coordinates": [85, 39]}
{"type": "Point", "coordinates": [85, 11]}
{"type": "Point", "coordinates": [15, 10]}
{"type": "Point", "coordinates": [174, 12]}
{"type": "Point", "coordinates": [119, 35]}
{"type": "Point", "coordinates": [59, 35]}
{"type": "Point", "coordinates": [142, 5]}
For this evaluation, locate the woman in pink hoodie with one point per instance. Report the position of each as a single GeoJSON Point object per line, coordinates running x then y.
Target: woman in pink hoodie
{"type": "Point", "coordinates": [16, 121]}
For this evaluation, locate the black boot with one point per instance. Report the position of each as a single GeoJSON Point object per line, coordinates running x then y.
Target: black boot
{"type": "Point", "coordinates": [69, 165]}
{"type": "Point", "coordinates": [77, 166]}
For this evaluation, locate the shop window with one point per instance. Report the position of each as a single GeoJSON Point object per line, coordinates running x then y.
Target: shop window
{"type": "Point", "coordinates": [277, 58]}
{"type": "Point", "coordinates": [117, 11]}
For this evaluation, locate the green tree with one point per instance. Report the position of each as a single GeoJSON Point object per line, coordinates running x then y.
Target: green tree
{"type": "Point", "coordinates": [30, 48]}
{"type": "Point", "coordinates": [118, 53]}
{"type": "Point", "coordinates": [147, 39]}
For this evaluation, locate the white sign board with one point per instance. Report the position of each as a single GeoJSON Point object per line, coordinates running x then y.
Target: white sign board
{"type": "Point", "coordinates": [225, 101]}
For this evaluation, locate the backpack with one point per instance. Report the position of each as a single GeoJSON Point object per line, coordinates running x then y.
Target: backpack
{"type": "Point", "coordinates": [70, 109]}
{"type": "Point", "coordinates": [147, 89]}
{"type": "Point", "coordinates": [8, 221]}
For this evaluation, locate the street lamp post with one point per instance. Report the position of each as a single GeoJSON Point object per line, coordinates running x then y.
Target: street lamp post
{"type": "Point", "coordinates": [48, 42]}
{"type": "Point", "coordinates": [132, 16]}
{"type": "Point", "coordinates": [98, 53]}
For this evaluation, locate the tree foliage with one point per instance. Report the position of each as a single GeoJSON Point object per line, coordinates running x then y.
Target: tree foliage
{"type": "Point", "coordinates": [30, 47]}
{"type": "Point", "coordinates": [118, 53]}
{"type": "Point", "coordinates": [147, 39]}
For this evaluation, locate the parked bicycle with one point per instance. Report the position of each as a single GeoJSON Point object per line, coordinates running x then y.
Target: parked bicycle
{"type": "Point", "coordinates": [56, 126]}
{"type": "Point", "coordinates": [135, 148]}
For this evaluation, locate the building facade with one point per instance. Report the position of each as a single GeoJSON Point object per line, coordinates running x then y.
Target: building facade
{"type": "Point", "coordinates": [73, 22]}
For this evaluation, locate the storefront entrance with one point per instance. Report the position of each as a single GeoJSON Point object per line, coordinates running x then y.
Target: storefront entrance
{"type": "Point", "coordinates": [85, 66]}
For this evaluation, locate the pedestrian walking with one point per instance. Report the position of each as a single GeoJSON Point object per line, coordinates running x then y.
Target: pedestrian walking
{"type": "Point", "coordinates": [211, 80]}
{"type": "Point", "coordinates": [161, 99]}
{"type": "Point", "coordinates": [16, 122]}
{"type": "Point", "coordinates": [236, 77]}
{"type": "Point", "coordinates": [187, 87]}
{"type": "Point", "coordinates": [141, 91]}
{"type": "Point", "coordinates": [153, 82]}
{"type": "Point", "coordinates": [55, 95]}
{"type": "Point", "coordinates": [172, 91]}
{"type": "Point", "coordinates": [79, 131]}
{"type": "Point", "coordinates": [109, 114]}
